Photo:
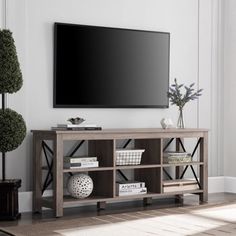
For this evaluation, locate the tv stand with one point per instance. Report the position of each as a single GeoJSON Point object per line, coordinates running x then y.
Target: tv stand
{"type": "Point", "coordinates": [103, 144]}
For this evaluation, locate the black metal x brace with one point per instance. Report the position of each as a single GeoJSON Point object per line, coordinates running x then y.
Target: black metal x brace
{"type": "Point", "coordinates": [119, 171]}
{"type": "Point", "coordinates": [76, 148]}
{"type": "Point", "coordinates": [186, 167]}
{"type": "Point", "coordinates": [74, 151]}
{"type": "Point", "coordinates": [168, 144]}
{"type": "Point", "coordinates": [46, 148]}
{"type": "Point", "coordinates": [47, 181]}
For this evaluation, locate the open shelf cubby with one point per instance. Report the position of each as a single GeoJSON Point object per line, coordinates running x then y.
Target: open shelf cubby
{"type": "Point", "coordinates": [104, 145]}
{"type": "Point", "coordinates": [153, 150]}
{"type": "Point", "coordinates": [103, 150]}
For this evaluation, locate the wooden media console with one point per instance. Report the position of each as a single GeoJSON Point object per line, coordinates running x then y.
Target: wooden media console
{"type": "Point", "coordinates": [103, 144]}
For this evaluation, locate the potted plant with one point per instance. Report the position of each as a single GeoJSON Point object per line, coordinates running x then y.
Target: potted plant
{"type": "Point", "coordinates": [181, 99]}
{"type": "Point", "coordinates": [12, 125]}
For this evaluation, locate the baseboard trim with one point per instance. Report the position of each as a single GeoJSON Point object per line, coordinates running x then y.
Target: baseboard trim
{"type": "Point", "coordinates": [215, 185]}
{"type": "Point", "coordinates": [25, 200]}
{"type": "Point", "coordinates": [230, 184]}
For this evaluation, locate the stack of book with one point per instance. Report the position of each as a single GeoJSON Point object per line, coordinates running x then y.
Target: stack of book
{"type": "Point", "coordinates": [179, 185]}
{"type": "Point", "coordinates": [80, 162]}
{"type": "Point", "coordinates": [77, 127]}
{"type": "Point", "coordinates": [176, 157]}
{"type": "Point", "coordinates": [124, 188]}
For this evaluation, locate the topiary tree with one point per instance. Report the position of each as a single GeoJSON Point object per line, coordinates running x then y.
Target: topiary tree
{"type": "Point", "coordinates": [12, 125]}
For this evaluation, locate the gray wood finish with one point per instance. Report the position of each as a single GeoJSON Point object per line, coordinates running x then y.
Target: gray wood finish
{"type": "Point", "coordinates": [87, 169]}
{"type": "Point", "coordinates": [152, 153]}
{"type": "Point", "coordinates": [142, 166]}
{"type": "Point", "coordinates": [114, 170]}
{"type": "Point", "coordinates": [204, 168]}
{"type": "Point", "coordinates": [37, 174]}
{"type": "Point", "coordinates": [102, 183]}
{"type": "Point", "coordinates": [178, 169]}
{"type": "Point", "coordinates": [69, 201]}
{"type": "Point", "coordinates": [103, 150]}
{"type": "Point", "coordinates": [147, 201]}
{"type": "Point", "coordinates": [58, 175]}
{"type": "Point", "coordinates": [101, 205]}
{"type": "Point", "coordinates": [109, 134]}
{"type": "Point", "coordinates": [151, 177]}
{"type": "Point", "coordinates": [161, 163]}
{"type": "Point", "coordinates": [103, 144]}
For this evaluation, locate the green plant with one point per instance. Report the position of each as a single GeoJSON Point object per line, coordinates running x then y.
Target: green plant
{"type": "Point", "coordinates": [10, 73]}
{"type": "Point", "coordinates": [12, 125]}
{"type": "Point", "coordinates": [180, 99]}
{"type": "Point", "coordinates": [12, 130]}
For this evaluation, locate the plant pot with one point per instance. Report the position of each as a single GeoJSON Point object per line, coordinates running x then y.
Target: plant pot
{"type": "Point", "coordinates": [9, 207]}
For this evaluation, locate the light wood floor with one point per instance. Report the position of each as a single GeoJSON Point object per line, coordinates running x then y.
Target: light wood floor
{"type": "Point", "coordinates": [164, 217]}
{"type": "Point", "coordinates": [116, 208]}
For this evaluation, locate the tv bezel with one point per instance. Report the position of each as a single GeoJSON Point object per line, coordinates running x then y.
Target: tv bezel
{"type": "Point", "coordinates": [55, 105]}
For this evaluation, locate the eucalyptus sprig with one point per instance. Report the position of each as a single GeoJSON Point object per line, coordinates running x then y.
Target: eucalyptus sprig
{"type": "Point", "coordinates": [180, 99]}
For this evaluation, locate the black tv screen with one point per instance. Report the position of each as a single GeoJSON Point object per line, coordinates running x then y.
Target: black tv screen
{"type": "Point", "coordinates": [110, 67]}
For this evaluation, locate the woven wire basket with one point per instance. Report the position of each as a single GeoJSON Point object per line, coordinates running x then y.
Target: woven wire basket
{"type": "Point", "coordinates": [129, 157]}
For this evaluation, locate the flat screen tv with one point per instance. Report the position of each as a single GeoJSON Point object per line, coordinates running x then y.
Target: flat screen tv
{"type": "Point", "coordinates": [110, 67]}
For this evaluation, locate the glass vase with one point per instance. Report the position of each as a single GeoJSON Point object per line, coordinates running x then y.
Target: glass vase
{"type": "Point", "coordinates": [180, 123]}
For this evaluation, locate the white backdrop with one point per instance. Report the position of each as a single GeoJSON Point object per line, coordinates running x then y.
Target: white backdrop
{"type": "Point", "coordinates": [188, 21]}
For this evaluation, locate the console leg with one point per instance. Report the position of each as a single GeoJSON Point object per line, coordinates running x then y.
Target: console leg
{"type": "Point", "coordinates": [147, 201]}
{"type": "Point", "coordinates": [101, 205]}
{"type": "Point", "coordinates": [37, 174]}
{"type": "Point", "coordinates": [203, 197]}
{"type": "Point", "coordinates": [179, 199]}
{"type": "Point", "coordinates": [58, 175]}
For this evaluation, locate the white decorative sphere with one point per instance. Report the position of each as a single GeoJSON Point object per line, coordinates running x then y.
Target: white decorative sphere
{"type": "Point", "coordinates": [166, 123]}
{"type": "Point", "coordinates": [80, 186]}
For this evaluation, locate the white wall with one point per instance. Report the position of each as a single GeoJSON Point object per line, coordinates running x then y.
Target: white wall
{"type": "Point", "coordinates": [229, 86]}
{"type": "Point", "coordinates": [210, 77]}
{"type": "Point", "coordinates": [190, 23]}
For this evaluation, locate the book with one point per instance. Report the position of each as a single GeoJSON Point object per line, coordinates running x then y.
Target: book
{"type": "Point", "coordinates": [76, 128]}
{"type": "Point", "coordinates": [79, 159]}
{"type": "Point", "coordinates": [179, 185]}
{"type": "Point", "coordinates": [83, 164]}
{"type": "Point", "coordinates": [176, 154]}
{"type": "Point", "coordinates": [124, 185]}
{"type": "Point", "coordinates": [177, 159]}
{"type": "Point", "coordinates": [179, 182]}
{"type": "Point", "coordinates": [75, 125]}
{"type": "Point", "coordinates": [134, 191]}
{"type": "Point", "coordinates": [180, 188]}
